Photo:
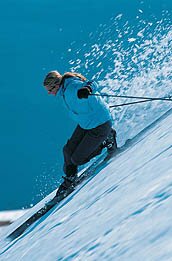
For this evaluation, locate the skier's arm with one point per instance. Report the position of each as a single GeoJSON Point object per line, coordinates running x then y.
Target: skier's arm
{"type": "Point", "coordinates": [85, 91]}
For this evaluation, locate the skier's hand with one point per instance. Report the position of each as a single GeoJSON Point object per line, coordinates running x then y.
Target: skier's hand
{"type": "Point", "coordinates": [84, 92]}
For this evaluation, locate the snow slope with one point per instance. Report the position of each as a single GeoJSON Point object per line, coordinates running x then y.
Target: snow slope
{"type": "Point", "coordinates": [123, 213]}
{"type": "Point", "coordinates": [7, 217]}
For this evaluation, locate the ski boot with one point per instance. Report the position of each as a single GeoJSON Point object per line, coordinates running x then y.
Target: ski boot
{"type": "Point", "coordinates": [66, 187]}
{"type": "Point", "coordinates": [63, 191]}
{"type": "Point", "coordinates": [68, 184]}
{"type": "Point", "coordinates": [110, 143]}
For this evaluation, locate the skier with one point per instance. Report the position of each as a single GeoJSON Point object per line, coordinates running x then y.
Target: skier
{"type": "Point", "coordinates": [94, 130]}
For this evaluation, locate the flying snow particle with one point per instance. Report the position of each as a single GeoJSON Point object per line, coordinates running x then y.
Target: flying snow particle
{"type": "Point", "coordinates": [130, 40]}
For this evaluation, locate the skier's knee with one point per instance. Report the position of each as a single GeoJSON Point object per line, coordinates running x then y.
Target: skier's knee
{"type": "Point", "coordinates": [77, 161]}
{"type": "Point", "coordinates": [66, 151]}
{"type": "Point", "coordinates": [70, 170]}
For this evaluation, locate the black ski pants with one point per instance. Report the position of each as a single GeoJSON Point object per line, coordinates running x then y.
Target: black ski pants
{"type": "Point", "coordinates": [85, 144]}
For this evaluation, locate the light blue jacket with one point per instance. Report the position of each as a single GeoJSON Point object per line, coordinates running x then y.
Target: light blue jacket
{"type": "Point", "coordinates": [88, 113]}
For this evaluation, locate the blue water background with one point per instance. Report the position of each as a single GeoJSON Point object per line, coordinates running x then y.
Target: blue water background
{"type": "Point", "coordinates": [35, 37]}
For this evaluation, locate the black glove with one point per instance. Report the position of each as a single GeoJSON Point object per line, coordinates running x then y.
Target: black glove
{"type": "Point", "coordinates": [84, 92]}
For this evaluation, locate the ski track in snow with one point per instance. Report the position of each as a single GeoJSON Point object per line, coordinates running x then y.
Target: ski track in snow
{"type": "Point", "coordinates": [123, 213]}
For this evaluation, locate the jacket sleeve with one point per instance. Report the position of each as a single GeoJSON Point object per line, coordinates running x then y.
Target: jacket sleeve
{"type": "Point", "coordinates": [84, 92]}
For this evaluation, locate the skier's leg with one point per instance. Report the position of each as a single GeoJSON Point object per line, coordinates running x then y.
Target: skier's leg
{"type": "Point", "coordinates": [70, 169]}
{"type": "Point", "coordinates": [110, 143]}
{"type": "Point", "coordinates": [90, 143]}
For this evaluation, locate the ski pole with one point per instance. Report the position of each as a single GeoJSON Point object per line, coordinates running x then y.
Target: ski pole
{"type": "Point", "coordinates": [125, 104]}
{"type": "Point", "coordinates": [135, 97]}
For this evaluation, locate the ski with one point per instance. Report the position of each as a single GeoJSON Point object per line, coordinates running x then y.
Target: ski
{"type": "Point", "coordinates": [90, 171]}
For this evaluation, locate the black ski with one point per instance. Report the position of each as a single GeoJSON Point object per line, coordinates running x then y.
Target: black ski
{"type": "Point", "coordinates": [98, 163]}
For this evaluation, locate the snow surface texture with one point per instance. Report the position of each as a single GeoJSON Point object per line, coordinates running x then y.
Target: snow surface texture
{"type": "Point", "coordinates": [11, 215]}
{"type": "Point", "coordinates": [7, 217]}
{"type": "Point", "coordinates": [123, 213]}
